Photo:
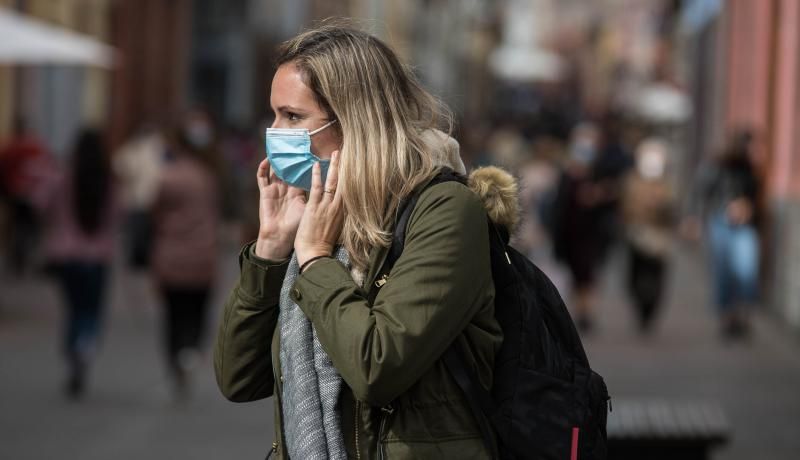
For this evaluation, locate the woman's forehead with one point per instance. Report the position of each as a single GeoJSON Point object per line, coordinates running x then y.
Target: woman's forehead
{"type": "Point", "coordinates": [290, 90]}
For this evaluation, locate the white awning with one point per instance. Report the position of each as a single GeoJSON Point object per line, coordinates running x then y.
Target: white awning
{"type": "Point", "coordinates": [662, 103]}
{"type": "Point", "coordinates": [525, 64]}
{"type": "Point", "coordinates": [25, 40]}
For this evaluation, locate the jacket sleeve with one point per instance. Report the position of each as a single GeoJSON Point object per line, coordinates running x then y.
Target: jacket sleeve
{"type": "Point", "coordinates": [436, 287]}
{"type": "Point", "coordinates": [242, 358]}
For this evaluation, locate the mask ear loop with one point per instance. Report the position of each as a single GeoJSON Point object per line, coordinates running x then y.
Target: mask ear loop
{"type": "Point", "coordinates": [311, 133]}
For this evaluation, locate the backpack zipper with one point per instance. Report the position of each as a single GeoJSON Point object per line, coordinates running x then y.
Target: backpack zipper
{"type": "Point", "coordinates": [500, 237]}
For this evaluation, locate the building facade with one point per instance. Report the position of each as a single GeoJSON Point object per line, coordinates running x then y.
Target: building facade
{"type": "Point", "coordinates": [745, 65]}
{"type": "Point", "coordinates": [56, 101]}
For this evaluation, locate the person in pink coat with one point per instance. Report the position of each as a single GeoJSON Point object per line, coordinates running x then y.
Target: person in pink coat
{"type": "Point", "coordinates": [184, 254]}
{"type": "Point", "coordinates": [79, 211]}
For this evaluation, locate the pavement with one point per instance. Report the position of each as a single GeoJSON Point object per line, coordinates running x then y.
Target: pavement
{"type": "Point", "coordinates": [757, 383]}
{"type": "Point", "coordinates": [129, 412]}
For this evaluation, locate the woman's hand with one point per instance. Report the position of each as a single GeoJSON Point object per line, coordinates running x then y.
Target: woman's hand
{"type": "Point", "coordinates": [740, 211]}
{"type": "Point", "coordinates": [280, 209]}
{"type": "Point", "coordinates": [323, 217]}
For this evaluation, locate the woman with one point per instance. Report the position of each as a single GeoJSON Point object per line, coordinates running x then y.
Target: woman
{"type": "Point", "coordinates": [185, 244]}
{"type": "Point", "coordinates": [729, 191]}
{"type": "Point", "coordinates": [79, 245]}
{"type": "Point", "coordinates": [648, 209]}
{"type": "Point", "coordinates": [578, 234]}
{"type": "Point", "coordinates": [344, 103]}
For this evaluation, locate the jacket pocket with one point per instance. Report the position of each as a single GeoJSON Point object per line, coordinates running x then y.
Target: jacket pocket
{"type": "Point", "coordinates": [385, 415]}
{"type": "Point", "coordinates": [427, 422]}
{"type": "Point", "coordinates": [470, 448]}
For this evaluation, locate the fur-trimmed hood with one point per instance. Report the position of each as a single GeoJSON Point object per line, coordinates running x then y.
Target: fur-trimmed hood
{"type": "Point", "coordinates": [499, 192]}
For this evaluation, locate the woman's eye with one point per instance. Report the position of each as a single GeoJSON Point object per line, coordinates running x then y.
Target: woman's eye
{"type": "Point", "coordinates": [292, 116]}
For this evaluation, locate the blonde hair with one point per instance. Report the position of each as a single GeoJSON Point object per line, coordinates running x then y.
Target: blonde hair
{"type": "Point", "coordinates": [382, 112]}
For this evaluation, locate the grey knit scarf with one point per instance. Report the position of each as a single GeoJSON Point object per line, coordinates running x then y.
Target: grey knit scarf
{"type": "Point", "coordinates": [311, 384]}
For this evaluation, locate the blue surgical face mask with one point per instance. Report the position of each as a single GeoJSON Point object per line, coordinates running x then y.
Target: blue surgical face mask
{"type": "Point", "coordinates": [583, 152]}
{"type": "Point", "coordinates": [289, 153]}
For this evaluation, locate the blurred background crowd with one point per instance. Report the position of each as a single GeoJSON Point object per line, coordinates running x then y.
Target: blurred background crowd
{"type": "Point", "coordinates": [655, 141]}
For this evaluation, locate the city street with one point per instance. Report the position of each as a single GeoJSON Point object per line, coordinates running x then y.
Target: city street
{"type": "Point", "coordinates": [129, 414]}
{"type": "Point", "coordinates": [133, 129]}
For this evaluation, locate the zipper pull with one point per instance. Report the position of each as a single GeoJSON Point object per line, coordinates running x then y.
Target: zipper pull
{"type": "Point", "coordinates": [507, 258]}
{"type": "Point", "coordinates": [388, 409]}
{"type": "Point", "coordinates": [379, 283]}
{"type": "Point", "coordinates": [273, 450]}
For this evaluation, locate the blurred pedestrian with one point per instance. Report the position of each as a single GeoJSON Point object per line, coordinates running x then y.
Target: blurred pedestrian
{"type": "Point", "coordinates": [729, 193]}
{"type": "Point", "coordinates": [614, 161]}
{"type": "Point", "coordinates": [138, 164]}
{"type": "Point", "coordinates": [186, 218]}
{"type": "Point", "coordinates": [19, 159]}
{"type": "Point", "coordinates": [648, 210]}
{"type": "Point", "coordinates": [578, 233]}
{"type": "Point", "coordinates": [80, 212]}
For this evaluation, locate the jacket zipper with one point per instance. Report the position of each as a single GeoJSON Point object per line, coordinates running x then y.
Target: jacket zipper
{"type": "Point", "coordinates": [387, 412]}
{"type": "Point", "coordinates": [379, 264]}
{"type": "Point", "coordinates": [379, 283]}
{"type": "Point", "coordinates": [358, 414]}
{"type": "Point", "coordinates": [279, 400]}
{"type": "Point", "coordinates": [273, 450]}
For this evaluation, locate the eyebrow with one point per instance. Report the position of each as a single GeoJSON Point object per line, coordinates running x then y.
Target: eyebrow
{"type": "Point", "coordinates": [289, 108]}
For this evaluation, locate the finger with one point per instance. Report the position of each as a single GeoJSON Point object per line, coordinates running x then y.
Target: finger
{"type": "Point", "coordinates": [337, 198]}
{"type": "Point", "coordinates": [315, 194]}
{"type": "Point", "coordinates": [293, 192]}
{"type": "Point", "coordinates": [333, 176]}
{"type": "Point", "coordinates": [263, 171]}
{"type": "Point", "coordinates": [283, 187]}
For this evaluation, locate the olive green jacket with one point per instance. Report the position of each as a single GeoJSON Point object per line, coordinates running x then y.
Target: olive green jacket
{"type": "Point", "coordinates": [399, 401]}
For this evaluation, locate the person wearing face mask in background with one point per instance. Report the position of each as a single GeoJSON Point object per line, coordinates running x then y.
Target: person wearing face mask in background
{"type": "Point", "coordinates": [186, 218]}
{"type": "Point", "coordinates": [648, 211]}
{"type": "Point", "coordinates": [577, 233]}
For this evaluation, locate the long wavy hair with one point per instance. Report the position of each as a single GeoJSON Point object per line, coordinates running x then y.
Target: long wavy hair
{"type": "Point", "coordinates": [382, 112]}
{"type": "Point", "coordinates": [91, 180]}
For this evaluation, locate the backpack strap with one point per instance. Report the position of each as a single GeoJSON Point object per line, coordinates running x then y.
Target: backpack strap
{"type": "Point", "coordinates": [479, 399]}
{"type": "Point", "coordinates": [404, 211]}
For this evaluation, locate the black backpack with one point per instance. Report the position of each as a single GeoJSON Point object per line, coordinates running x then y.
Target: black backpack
{"type": "Point", "coordinates": [546, 402]}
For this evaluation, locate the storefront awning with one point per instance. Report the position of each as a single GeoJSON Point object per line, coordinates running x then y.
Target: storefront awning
{"type": "Point", "coordinates": [28, 41]}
